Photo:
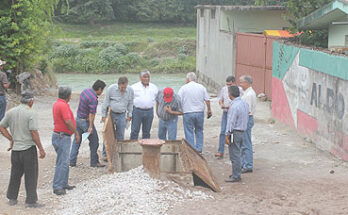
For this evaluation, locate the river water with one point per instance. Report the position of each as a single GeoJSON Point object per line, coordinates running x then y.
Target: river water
{"type": "Point", "coordinates": [79, 82]}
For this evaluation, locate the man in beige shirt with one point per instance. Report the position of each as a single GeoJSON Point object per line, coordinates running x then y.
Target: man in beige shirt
{"type": "Point", "coordinates": [24, 139]}
{"type": "Point", "coordinates": [249, 96]}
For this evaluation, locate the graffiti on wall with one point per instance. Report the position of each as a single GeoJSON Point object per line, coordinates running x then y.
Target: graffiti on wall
{"type": "Point", "coordinates": [312, 96]}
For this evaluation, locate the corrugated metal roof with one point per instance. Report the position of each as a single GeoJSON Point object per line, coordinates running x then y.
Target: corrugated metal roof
{"type": "Point", "coordinates": [321, 18]}
{"type": "Point", "coordinates": [240, 7]}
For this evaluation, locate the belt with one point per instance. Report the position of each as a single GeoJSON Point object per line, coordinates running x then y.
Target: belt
{"type": "Point", "coordinates": [84, 119]}
{"type": "Point", "coordinates": [118, 112]}
{"type": "Point", "coordinates": [62, 133]}
{"type": "Point", "coordinates": [144, 108]}
{"type": "Point", "coordinates": [238, 131]}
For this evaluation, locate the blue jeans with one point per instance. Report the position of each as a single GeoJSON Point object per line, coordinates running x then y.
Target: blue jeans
{"type": "Point", "coordinates": [2, 106]}
{"type": "Point", "coordinates": [120, 126]}
{"type": "Point", "coordinates": [247, 147]}
{"type": "Point", "coordinates": [222, 133]}
{"type": "Point", "coordinates": [167, 126]}
{"type": "Point", "coordinates": [234, 150]}
{"type": "Point", "coordinates": [82, 127]}
{"type": "Point", "coordinates": [193, 126]}
{"type": "Point", "coordinates": [141, 118]}
{"type": "Point", "coordinates": [61, 144]}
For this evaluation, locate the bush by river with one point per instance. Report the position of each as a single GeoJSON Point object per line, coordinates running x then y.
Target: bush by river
{"type": "Point", "coordinates": [124, 48]}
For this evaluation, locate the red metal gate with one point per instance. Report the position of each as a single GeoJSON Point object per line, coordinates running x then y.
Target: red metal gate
{"type": "Point", "coordinates": [254, 58]}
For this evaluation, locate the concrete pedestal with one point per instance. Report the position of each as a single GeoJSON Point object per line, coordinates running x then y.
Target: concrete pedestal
{"type": "Point", "coordinates": [152, 156]}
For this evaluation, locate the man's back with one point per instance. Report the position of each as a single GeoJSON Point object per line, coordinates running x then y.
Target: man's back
{"type": "Point", "coordinates": [193, 96]}
{"type": "Point", "coordinates": [88, 103]}
{"type": "Point", "coordinates": [21, 120]}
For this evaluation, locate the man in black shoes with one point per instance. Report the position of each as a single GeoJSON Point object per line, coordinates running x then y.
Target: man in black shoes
{"type": "Point", "coordinates": [24, 139]}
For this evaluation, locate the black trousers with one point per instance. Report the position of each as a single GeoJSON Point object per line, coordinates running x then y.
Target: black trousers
{"type": "Point", "coordinates": [24, 162]}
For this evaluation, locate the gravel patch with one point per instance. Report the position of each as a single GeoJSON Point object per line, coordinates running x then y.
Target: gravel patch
{"type": "Point", "coordinates": [132, 192]}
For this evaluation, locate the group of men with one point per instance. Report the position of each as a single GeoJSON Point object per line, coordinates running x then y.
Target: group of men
{"type": "Point", "coordinates": [133, 105]}
{"type": "Point", "coordinates": [238, 105]}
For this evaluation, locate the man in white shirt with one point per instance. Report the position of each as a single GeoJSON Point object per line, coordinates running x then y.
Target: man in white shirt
{"type": "Point", "coordinates": [193, 96]}
{"type": "Point", "coordinates": [145, 94]}
{"type": "Point", "coordinates": [249, 97]}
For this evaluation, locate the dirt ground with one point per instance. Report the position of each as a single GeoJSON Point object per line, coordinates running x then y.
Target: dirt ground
{"type": "Point", "coordinates": [290, 175]}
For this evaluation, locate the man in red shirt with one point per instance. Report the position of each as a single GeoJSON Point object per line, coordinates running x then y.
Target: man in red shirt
{"type": "Point", "coordinates": [64, 127]}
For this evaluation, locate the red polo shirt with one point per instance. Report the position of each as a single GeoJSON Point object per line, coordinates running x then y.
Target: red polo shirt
{"type": "Point", "coordinates": [61, 113]}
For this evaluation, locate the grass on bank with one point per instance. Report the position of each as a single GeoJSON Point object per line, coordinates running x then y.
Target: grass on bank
{"type": "Point", "coordinates": [124, 48]}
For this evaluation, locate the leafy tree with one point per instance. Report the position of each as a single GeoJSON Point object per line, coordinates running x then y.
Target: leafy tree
{"type": "Point", "coordinates": [298, 9]}
{"type": "Point", "coordinates": [24, 28]}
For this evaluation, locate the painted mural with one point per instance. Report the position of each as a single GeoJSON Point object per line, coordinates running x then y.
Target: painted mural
{"type": "Point", "coordinates": [310, 93]}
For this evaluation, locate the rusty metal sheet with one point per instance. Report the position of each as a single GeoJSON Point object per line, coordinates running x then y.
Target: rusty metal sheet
{"type": "Point", "coordinates": [193, 161]}
{"type": "Point", "coordinates": [109, 141]}
{"type": "Point", "coordinates": [257, 74]}
{"type": "Point", "coordinates": [251, 49]}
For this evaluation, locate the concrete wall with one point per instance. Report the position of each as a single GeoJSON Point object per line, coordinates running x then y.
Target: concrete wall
{"type": "Point", "coordinates": [214, 50]}
{"type": "Point", "coordinates": [337, 35]}
{"type": "Point", "coordinates": [216, 41]}
{"type": "Point", "coordinates": [252, 21]}
{"type": "Point", "coordinates": [310, 94]}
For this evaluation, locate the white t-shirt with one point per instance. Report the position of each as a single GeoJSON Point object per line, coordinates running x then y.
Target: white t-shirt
{"type": "Point", "coordinates": [144, 97]}
{"type": "Point", "coordinates": [193, 97]}
{"type": "Point", "coordinates": [249, 96]}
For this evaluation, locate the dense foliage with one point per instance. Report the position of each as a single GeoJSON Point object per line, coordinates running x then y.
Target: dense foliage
{"type": "Point", "coordinates": [24, 28]}
{"type": "Point", "coordinates": [174, 11]}
{"type": "Point", "coordinates": [100, 56]}
{"type": "Point", "coordinates": [301, 8]}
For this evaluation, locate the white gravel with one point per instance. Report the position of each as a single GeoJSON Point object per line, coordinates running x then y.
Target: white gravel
{"type": "Point", "coordinates": [132, 192]}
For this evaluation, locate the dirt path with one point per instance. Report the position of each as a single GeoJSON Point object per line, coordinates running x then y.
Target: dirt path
{"type": "Point", "coordinates": [290, 177]}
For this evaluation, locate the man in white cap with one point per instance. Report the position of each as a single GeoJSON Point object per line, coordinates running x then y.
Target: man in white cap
{"type": "Point", "coordinates": [4, 84]}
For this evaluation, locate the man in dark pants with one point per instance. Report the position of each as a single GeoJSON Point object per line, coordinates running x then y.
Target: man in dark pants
{"type": "Point", "coordinates": [145, 94]}
{"type": "Point", "coordinates": [4, 84]}
{"type": "Point", "coordinates": [85, 123]}
{"type": "Point", "coordinates": [237, 120]}
{"type": "Point", "coordinates": [24, 138]}
{"type": "Point", "coordinates": [64, 127]}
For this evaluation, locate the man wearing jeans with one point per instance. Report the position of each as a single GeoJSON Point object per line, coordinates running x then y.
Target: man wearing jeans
{"type": "Point", "coordinates": [119, 98]}
{"type": "Point", "coordinates": [64, 127]}
{"type": "Point", "coordinates": [24, 139]}
{"type": "Point", "coordinates": [145, 94]}
{"type": "Point", "coordinates": [237, 119]}
{"type": "Point", "coordinates": [168, 107]}
{"type": "Point", "coordinates": [193, 96]}
{"type": "Point", "coordinates": [224, 102]}
{"type": "Point", "coordinates": [85, 123]}
{"type": "Point", "coordinates": [249, 96]}
{"type": "Point", "coordinates": [4, 84]}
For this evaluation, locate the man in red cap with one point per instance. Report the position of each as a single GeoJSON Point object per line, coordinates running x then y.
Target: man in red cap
{"type": "Point", "coordinates": [168, 107]}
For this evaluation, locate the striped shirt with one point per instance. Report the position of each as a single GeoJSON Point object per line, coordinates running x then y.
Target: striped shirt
{"type": "Point", "coordinates": [88, 103]}
{"type": "Point", "coordinates": [237, 116]}
{"type": "Point", "coordinates": [175, 105]}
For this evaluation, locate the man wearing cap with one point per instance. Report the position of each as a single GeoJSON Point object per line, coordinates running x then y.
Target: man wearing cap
{"type": "Point", "coordinates": [119, 98]}
{"type": "Point", "coordinates": [193, 98]}
{"type": "Point", "coordinates": [24, 139]}
{"type": "Point", "coordinates": [145, 94]}
{"type": "Point", "coordinates": [4, 84]}
{"type": "Point", "coordinates": [64, 127]}
{"type": "Point", "coordinates": [168, 107]}
{"type": "Point", "coordinates": [85, 123]}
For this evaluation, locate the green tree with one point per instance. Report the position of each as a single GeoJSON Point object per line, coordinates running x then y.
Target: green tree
{"type": "Point", "coordinates": [298, 9]}
{"type": "Point", "coordinates": [25, 26]}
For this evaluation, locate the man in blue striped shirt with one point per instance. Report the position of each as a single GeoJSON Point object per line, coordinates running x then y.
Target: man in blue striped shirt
{"type": "Point", "coordinates": [237, 121]}
{"type": "Point", "coordinates": [85, 122]}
